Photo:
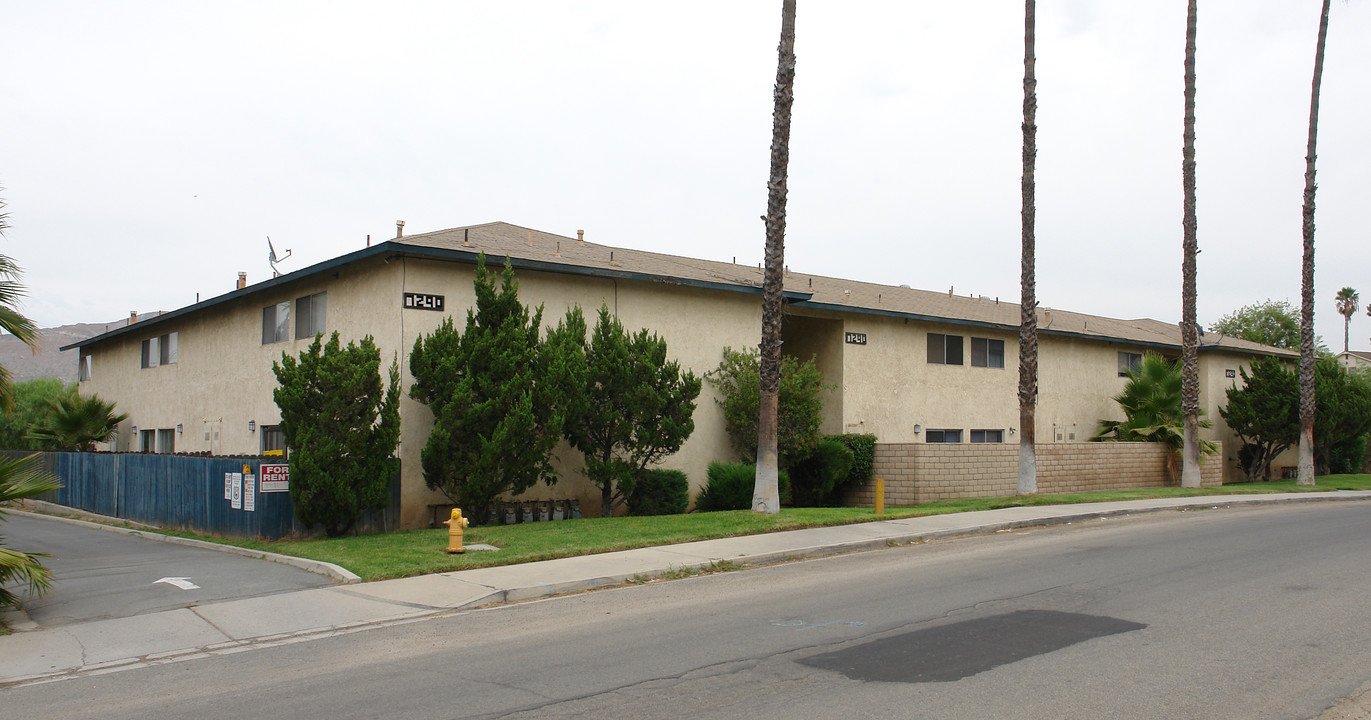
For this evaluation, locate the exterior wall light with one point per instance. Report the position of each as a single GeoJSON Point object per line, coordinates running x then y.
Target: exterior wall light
{"type": "Point", "coordinates": [179, 429]}
{"type": "Point", "coordinates": [252, 426]}
{"type": "Point", "coordinates": [918, 429]}
{"type": "Point", "coordinates": [1011, 431]}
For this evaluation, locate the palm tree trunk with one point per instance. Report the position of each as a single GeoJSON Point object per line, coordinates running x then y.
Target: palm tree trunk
{"type": "Point", "coordinates": [1028, 309]}
{"type": "Point", "coordinates": [1190, 362]}
{"type": "Point", "coordinates": [766, 493]}
{"type": "Point", "coordinates": [1306, 457]}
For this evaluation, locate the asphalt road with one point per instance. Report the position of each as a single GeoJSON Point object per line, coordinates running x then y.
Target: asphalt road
{"type": "Point", "coordinates": [1237, 613]}
{"type": "Point", "coordinates": [101, 574]}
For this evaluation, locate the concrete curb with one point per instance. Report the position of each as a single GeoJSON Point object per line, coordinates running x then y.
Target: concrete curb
{"type": "Point", "coordinates": [550, 589]}
{"type": "Point", "coordinates": [77, 650]}
{"type": "Point", "coordinates": [318, 567]}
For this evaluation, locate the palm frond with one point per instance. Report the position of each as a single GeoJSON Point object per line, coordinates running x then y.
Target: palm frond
{"type": "Point", "coordinates": [23, 478]}
{"type": "Point", "coordinates": [17, 568]}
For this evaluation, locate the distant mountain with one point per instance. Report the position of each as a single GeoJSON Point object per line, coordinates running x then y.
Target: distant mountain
{"type": "Point", "coordinates": [25, 364]}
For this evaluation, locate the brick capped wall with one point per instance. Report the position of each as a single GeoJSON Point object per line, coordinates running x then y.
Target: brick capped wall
{"type": "Point", "coordinates": [919, 472]}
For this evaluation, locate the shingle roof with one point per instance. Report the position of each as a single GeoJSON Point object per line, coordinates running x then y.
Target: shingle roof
{"type": "Point", "coordinates": [501, 239]}
{"type": "Point", "coordinates": [539, 250]}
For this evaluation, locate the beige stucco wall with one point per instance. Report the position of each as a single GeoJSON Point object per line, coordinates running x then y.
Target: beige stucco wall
{"type": "Point", "coordinates": [889, 386]}
{"type": "Point", "coordinates": [819, 336]}
{"type": "Point", "coordinates": [223, 378]}
{"type": "Point", "coordinates": [223, 375]}
{"type": "Point", "coordinates": [696, 324]}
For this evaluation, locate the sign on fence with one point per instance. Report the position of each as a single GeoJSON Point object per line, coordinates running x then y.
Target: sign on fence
{"type": "Point", "coordinates": [249, 493]}
{"type": "Point", "coordinates": [275, 478]}
{"type": "Point", "coordinates": [236, 502]}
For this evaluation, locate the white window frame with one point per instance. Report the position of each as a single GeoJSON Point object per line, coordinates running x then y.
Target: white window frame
{"type": "Point", "coordinates": [276, 323]}
{"type": "Point", "coordinates": [311, 315]}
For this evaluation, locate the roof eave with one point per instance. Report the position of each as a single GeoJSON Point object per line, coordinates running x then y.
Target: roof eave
{"type": "Point", "coordinates": [237, 294]}
{"type": "Point", "coordinates": [393, 249]}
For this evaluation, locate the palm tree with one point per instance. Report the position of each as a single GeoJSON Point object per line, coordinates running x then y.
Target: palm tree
{"type": "Point", "coordinates": [766, 497]}
{"type": "Point", "coordinates": [1028, 308]}
{"type": "Point", "coordinates": [1307, 358]}
{"type": "Point", "coordinates": [11, 320]}
{"type": "Point", "coordinates": [76, 423]}
{"type": "Point", "coordinates": [1348, 301]}
{"type": "Point", "coordinates": [22, 479]}
{"type": "Point", "coordinates": [1190, 362]}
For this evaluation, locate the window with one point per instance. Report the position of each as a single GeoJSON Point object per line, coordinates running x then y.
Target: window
{"type": "Point", "coordinates": [946, 350]}
{"type": "Point", "coordinates": [276, 323]}
{"type": "Point", "coordinates": [1128, 361]}
{"type": "Point", "coordinates": [147, 441]}
{"type": "Point", "coordinates": [943, 436]}
{"type": "Point", "coordinates": [161, 350]}
{"type": "Point", "coordinates": [987, 436]}
{"type": "Point", "coordinates": [167, 348]}
{"type": "Point", "coordinates": [166, 441]}
{"type": "Point", "coordinates": [987, 353]}
{"type": "Point", "coordinates": [309, 315]}
{"type": "Point", "coordinates": [83, 369]}
{"type": "Point", "coordinates": [150, 353]}
{"type": "Point", "coordinates": [273, 440]}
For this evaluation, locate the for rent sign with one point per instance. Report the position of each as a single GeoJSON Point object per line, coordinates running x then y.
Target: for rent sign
{"type": "Point", "coordinates": [274, 478]}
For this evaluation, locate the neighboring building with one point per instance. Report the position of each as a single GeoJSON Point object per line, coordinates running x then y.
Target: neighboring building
{"type": "Point", "coordinates": [906, 365]}
{"type": "Point", "coordinates": [1355, 359]}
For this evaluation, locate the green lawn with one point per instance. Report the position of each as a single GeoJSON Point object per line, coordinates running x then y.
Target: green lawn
{"type": "Point", "coordinates": [416, 552]}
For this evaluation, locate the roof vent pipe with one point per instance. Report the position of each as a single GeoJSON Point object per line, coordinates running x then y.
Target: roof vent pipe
{"type": "Point", "coordinates": [133, 316]}
{"type": "Point", "coordinates": [581, 236]}
{"type": "Point", "coordinates": [399, 229]}
{"type": "Point", "coordinates": [1047, 318]}
{"type": "Point", "coordinates": [242, 280]}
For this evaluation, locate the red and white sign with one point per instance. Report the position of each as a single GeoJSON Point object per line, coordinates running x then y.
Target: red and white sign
{"type": "Point", "coordinates": [274, 478]}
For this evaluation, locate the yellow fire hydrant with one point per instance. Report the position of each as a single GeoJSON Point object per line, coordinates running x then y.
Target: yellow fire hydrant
{"type": "Point", "coordinates": [454, 531]}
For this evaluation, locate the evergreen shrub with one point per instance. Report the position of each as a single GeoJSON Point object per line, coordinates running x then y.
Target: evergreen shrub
{"type": "Point", "coordinates": [730, 486]}
{"type": "Point", "coordinates": [660, 492]}
{"type": "Point", "coordinates": [863, 449]}
{"type": "Point", "coordinates": [816, 479]}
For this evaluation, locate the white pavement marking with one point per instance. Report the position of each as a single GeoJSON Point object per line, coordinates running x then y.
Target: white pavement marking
{"type": "Point", "coordinates": [183, 583]}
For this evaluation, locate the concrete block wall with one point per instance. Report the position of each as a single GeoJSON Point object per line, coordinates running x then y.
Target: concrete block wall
{"type": "Point", "coordinates": [919, 472]}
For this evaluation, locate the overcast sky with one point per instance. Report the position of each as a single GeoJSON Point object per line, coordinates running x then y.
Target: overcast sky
{"type": "Point", "coordinates": [148, 149]}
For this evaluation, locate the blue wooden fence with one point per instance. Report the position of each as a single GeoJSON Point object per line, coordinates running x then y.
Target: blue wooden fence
{"type": "Point", "coordinates": [185, 493]}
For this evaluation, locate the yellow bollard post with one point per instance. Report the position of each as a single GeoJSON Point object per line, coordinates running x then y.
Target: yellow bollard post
{"type": "Point", "coordinates": [454, 531]}
{"type": "Point", "coordinates": [880, 496]}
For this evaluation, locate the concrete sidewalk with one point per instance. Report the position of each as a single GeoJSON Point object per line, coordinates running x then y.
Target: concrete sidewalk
{"type": "Point", "coordinates": [235, 625]}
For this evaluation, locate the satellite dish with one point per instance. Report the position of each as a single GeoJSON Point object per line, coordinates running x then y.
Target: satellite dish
{"type": "Point", "coordinates": [271, 257]}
